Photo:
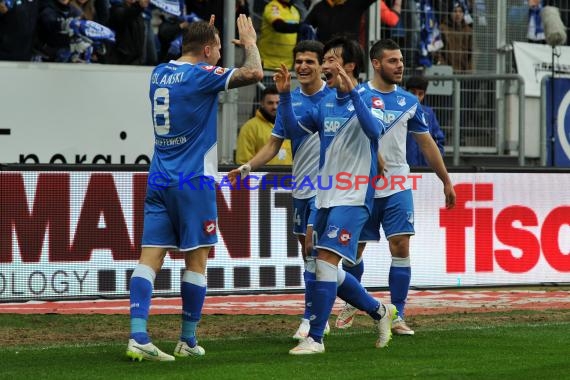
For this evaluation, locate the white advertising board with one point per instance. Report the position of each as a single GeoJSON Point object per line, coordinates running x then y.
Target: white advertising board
{"type": "Point", "coordinates": [534, 61]}
{"type": "Point", "coordinates": [69, 113]}
{"type": "Point", "coordinates": [77, 234]}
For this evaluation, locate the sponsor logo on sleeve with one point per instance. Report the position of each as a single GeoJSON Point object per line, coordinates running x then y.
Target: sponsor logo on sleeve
{"type": "Point", "coordinates": [220, 70]}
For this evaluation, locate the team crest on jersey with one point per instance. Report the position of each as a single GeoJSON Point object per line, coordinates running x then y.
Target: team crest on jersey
{"type": "Point", "coordinates": [332, 231]}
{"type": "Point", "coordinates": [401, 101]}
{"type": "Point", "coordinates": [220, 70]}
{"type": "Point", "coordinates": [210, 227]}
{"type": "Point", "coordinates": [344, 237]}
{"type": "Point", "coordinates": [350, 107]}
{"type": "Point", "coordinates": [377, 103]}
{"type": "Point", "coordinates": [208, 67]}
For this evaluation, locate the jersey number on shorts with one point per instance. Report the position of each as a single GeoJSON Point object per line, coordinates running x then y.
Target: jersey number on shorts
{"type": "Point", "coordinates": [296, 217]}
{"type": "Point", "coordinates": [161, 113]}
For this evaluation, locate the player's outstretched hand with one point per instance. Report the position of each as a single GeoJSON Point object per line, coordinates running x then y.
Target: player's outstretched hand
{"type": "Point", "coordinates": [346, 84]}
{"type": "Point", "coordinates": [212, 19]}
{"type": "Point", "coordinates": [282, 79]}
{"type": "Point", "coordinates": [449, 192]}
{"type": "Point", "coordinates": [246, 31]}
{"type": "Point", "coordinates": [241, 172]}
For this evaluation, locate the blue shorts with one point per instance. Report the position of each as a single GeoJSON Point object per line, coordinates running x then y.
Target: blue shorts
{"type": "Point", "coordinates": [395, 213]}
{"type": "Point", "coordinates": [181, 218]}
{"type": "Point", "coordinates": [304, 211]}
{"type": "Point", "coordinates": [337, 229]}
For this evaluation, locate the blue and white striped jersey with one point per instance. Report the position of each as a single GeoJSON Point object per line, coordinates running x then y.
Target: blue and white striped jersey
{"type": "Point", "coordinates": [349, 143]}
{"type": "Point", "coordinates": [184, 100]}
{"type": "Point", "coordinates": [401, 112]}
{"type": "Point", "coordinates": [306, 146]}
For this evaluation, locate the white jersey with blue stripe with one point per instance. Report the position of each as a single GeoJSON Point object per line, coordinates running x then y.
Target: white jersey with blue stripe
{"type": "Point", "coordinates": [401, 112]}
{"type": "Point", "coordinates": [306, 145]}
{"type": "Point", "coordinates": [184, 100]}
{"type": "Point", "coordinates": [348, 146]}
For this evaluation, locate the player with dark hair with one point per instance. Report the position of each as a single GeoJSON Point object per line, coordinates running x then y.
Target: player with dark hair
{"type": "Point", "coordinates": [418, 85]}
{"type": "Point", "coordinates": [256, 132]}
{"type": "Point", "coordinates": [393, 206]}
{"type": "Point", "coordinates": [307, 56]}
{"type": "Point", "coordinates": [180, 209]}
{"type": "Point", "coordinates": [349, 136]}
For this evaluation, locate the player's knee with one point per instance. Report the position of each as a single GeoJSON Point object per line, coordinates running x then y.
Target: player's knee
{"type": "Point", "coordinates": [400, 246]}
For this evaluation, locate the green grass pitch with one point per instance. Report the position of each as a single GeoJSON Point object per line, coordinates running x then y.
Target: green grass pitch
{"type": "Point", "coordinates": [512, 346]}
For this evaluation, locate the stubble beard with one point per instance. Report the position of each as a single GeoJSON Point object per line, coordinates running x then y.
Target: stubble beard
{"type": "Point", "coordinates": [386, 78]}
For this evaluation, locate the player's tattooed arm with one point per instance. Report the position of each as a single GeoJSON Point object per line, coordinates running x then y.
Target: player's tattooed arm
{"type": "Point", "coordinates": [251, 71]}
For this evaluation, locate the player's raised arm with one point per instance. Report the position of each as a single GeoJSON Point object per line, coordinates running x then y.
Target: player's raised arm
{"type": "Point", "coordinates": [251, 72]}
{"type": "Point", "coordinates": [285, 113]}
{"type": "Point", "coordinates": [370, 125]}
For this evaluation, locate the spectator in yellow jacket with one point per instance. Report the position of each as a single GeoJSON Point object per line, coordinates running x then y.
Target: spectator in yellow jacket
{"type": "Point", "coordinates": [279, 27]}
{"type": "Point", "coordinates": [256, 132]}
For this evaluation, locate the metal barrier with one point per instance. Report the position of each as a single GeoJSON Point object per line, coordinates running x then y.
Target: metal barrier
{"type": "Point", "coordinates": [499, 131]}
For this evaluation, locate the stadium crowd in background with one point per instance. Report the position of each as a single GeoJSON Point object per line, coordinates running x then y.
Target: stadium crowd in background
{"type": "Point", "coordinates": [281, 23]}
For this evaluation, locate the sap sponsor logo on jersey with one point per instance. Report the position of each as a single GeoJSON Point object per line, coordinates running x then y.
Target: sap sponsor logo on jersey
{"type": "Point", "coordinates": [386, 116]}
{"type": "Point", "coordinates": [391, 116]}
{"type": "Point", "coordinates": [333, 124]}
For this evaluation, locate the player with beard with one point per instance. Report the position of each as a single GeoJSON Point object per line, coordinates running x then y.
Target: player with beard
{"type": "Point", "coordinates": [393, 207]}
{"type": "Point", "coordinates": [308, 56]}
{"type": "Point", "coordinates": [349, 136]}
{"type": "Point", "coordinates": [256, 132]}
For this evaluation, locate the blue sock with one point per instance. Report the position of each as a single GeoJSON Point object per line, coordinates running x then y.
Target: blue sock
{"type": "Point", "coordinates": [193, 291]}
{"type": "Point", "coordinates": [351, 291]}
{"type": "Point", "coordinates": [308, 276]}
{"type": "Point", "coordinates": [140, 296]}
{"type": "Point", "coordinates": [357, 270]}
{"type": "Point", "coordinates": [323, 297]}
{"type": "Point", "coordinates": [399, 282]}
